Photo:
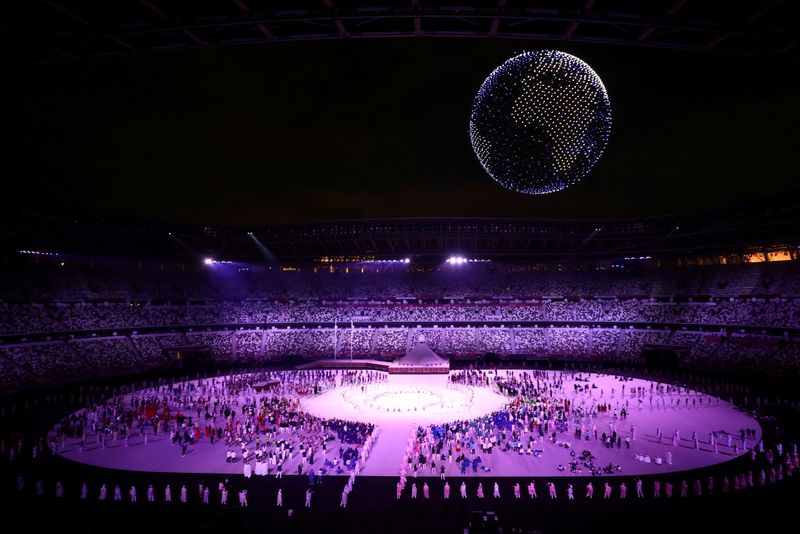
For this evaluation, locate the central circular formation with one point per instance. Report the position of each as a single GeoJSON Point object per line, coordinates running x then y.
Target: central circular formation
{"type": "Point", "coordinates": [424, 399]}
{"type": "Point", "coordinates": [409, 399]}
{"type": "Point", "coordinates": [540, 122]}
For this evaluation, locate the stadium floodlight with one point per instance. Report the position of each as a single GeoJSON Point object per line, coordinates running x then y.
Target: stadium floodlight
{"type": "Point", "coordinates": [457, 260]}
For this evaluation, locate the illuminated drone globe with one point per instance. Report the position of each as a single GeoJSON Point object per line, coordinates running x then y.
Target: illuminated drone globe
{"type": "Point", "coordinates": [540, 122]}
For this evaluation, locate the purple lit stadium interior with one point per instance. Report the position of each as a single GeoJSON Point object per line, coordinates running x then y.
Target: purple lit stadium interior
{"type": "Point", "coordinates": [315, 312]}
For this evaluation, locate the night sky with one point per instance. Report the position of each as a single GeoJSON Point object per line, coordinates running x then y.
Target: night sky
{"type": "Point", "coordinates": [378, 128]}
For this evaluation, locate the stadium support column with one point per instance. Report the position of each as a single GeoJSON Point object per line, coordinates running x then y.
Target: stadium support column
{"type": "Point", "coordinates": [513, 340]}
{"type": "Point", "coordinates": [335, 339]}
{"type": "Point", "coordinates": [304, 341]}
{"type": "Point", "coordinates": [547, 340]}
{"type": "Point", "coordinates": [373, 340]}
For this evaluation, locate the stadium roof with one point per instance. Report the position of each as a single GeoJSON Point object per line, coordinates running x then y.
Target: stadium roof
{"type": "Point", "coordinates": [746, 228]}
{"type": "Point", "coordinates": [42, 31]}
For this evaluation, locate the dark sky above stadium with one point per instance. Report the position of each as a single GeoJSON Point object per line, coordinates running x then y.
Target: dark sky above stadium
{"type": "Point", "coordinates": [378, 128]}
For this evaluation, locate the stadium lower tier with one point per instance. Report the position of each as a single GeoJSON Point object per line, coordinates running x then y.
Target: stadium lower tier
{"type": "Point", "coordinates": [51, 359]}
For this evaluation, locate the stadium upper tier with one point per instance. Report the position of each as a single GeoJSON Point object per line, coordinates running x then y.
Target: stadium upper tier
{"type": "Point", "coordinates": [80, 317]}
{"type": "Point", "coordinates": [52, 298]}
{"type": "Point", "coordinates": [82, 280]}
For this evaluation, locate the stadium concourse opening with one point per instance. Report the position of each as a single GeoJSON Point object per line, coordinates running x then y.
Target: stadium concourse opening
{"type": "Point", "coordinates": [540, 274]}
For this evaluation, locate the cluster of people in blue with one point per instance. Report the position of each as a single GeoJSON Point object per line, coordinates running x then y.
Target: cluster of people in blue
{"type": "Point", "coordinates": [348, 431]}
{"type": "Point", "coordinates": [538, 410]}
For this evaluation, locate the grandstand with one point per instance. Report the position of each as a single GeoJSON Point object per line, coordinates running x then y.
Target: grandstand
{"type": "Point", "coordinates": [121, 319]}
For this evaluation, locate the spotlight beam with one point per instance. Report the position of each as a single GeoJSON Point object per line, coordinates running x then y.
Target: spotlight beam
{"type": "Point", "coordinates": [269, 256]}
{"type": "Point", "coordinates": [184, 246]}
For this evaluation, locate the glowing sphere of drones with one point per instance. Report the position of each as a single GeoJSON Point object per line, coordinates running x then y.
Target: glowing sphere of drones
{"type": "Point", "coordinates": [540, 122]}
